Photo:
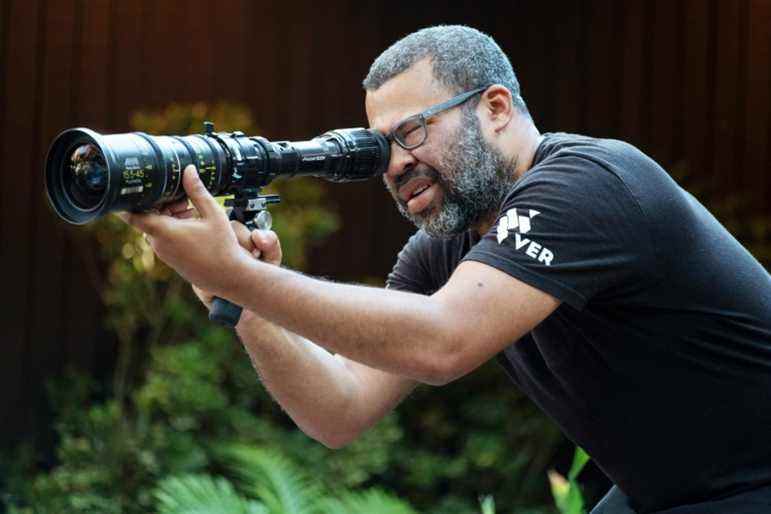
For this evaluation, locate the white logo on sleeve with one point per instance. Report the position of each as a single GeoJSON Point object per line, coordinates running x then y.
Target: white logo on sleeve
{"type": "Point", "coordinates": [520, 222]}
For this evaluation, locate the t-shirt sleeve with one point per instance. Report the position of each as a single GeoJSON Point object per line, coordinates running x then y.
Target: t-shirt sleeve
{"type": "Point", "coordinates": [411, 271]}
{"type": "Point", "coordinates": [571, 228]}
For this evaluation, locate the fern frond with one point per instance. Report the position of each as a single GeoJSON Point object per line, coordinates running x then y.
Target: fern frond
{"type": "Point", "coordinates": [272, 479]}
{"type": "Point", "coordinates": [202, 494]}
{"type": "Point", "coordinates": [372, 501]}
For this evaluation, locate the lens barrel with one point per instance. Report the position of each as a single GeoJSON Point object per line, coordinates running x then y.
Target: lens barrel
{"type": "Point", "coordinates": [90, 174]}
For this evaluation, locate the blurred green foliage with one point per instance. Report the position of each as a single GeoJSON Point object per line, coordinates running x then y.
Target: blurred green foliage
{"type": "Point", "coordinates": [152, 438]}
{"type": "Point", "coordinates": [566, 491]}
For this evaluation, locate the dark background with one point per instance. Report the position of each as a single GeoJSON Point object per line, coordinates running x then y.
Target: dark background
{"type": "Point", "coordinates": [687, 81]}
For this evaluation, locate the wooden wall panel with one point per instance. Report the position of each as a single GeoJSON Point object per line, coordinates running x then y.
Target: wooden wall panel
{"type": "Point", "coordinates": [91, 106]}
{"type": "Point", "coordinates": [663, 81]}
{"type": "Point", "coordinates": [4, 15]}
{"type": "Point", "coordinates": [569, 67]}
{"type": "Point", "coordinates": [197, 35]}
{"type": "Point", "coordinates": [756, 133]}
{"type": "Point", "coordinates": [228, 27]}
{"type": "Point", "coordinates": [265, 78]}
{"type": "Point", "coordinates": [129, 71]}
{"type": "Point", "coordinates": [726, 74]}
{"type": "Point", "coordinates": [633, 70]}
{"type": "Point", "coordinates": [26, 46]}
{"type": "Point", "coordinates": [599, 76]}
{"type": "Point", "coordinates": [57, 97]}
{"type": "Point", "coordinates": [687, 81]}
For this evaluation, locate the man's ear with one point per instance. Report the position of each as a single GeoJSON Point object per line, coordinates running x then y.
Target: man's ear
{"type": "Point", "coordinates": [495, 109]}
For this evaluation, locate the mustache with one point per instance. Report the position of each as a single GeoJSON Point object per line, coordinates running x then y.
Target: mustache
{"type": "Point", "coordinates": [421, 171]}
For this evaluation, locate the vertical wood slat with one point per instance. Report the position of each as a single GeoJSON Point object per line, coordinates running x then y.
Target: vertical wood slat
{"type": "Point", "coordinates": [664, 85]}
{"type": "Point", "coordinates": [696, 92]}
{"type": "Point", "coordinates": [599, 82]}
{"type": "Point", "coordinates": [92, 106]}
{"type": "Point", "coordinates": [93, 66]}
{"type": "Point", "coordinates": [568, 67]}
{"type": "Point", "coordinates": [726, 74]}
{"type": "Point", "coordinates": [25, 46]}
{"type": "Point", "coordinates": [166, 66]}
{"type": "Point", "coordinates": [544, 112]}
{"type": "Point", "coordinates": [632, 71]}
{"type": "Point", "coordinates": [757, 106]}
{"type": "Point", "coordinates": [60, 81]}
{"type": "Point", "coordinates": [197, 36]}
{"type": "Point", "coordinates": [264, 74]}
{"type": "Point", "coordinates": [129, 30]}
{"type": "Point", "coordinates": [4, 74]}
{"type": "Point", "coordinates": [227, 46]}
{"type": "Point", "coordinates": [522, 48]}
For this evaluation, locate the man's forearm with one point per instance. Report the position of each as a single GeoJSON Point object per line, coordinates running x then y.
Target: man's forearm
{"type": "Point", "coordinates": [312, 386]}
{"type": "Point", "coordinates": [395, 331]}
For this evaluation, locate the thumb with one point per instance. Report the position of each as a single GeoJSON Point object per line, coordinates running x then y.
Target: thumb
{"type": "Point", "coordinates": [203, 201]}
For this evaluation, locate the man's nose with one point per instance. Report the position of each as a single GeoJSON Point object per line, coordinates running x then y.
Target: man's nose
{"type": "Point", "coordinates": [401, 161]}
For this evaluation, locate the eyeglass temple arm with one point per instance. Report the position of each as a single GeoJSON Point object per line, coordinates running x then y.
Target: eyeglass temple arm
{"type": "Point", "coordinates": [452, 102]}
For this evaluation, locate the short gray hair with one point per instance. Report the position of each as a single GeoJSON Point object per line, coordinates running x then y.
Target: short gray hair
{"type": "Point", "coordinates": [462, 59]}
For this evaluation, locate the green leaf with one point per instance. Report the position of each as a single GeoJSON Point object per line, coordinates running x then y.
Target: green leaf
{"type": "Point", "coordinates": [372, 501]}
{"type": "Point", "coordinates": [202, 494]}
{"type": "Point", "coordinates": [580, 458]}
{"type": "Point", "coordinates": [271, 478]}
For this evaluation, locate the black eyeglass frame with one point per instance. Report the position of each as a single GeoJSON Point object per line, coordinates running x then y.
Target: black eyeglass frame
{"type": "Point", "coordinates": [424, 116]}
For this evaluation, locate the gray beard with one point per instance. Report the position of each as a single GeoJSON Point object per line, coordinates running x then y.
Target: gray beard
{"type": "Point", "coordinates": [476, 178]}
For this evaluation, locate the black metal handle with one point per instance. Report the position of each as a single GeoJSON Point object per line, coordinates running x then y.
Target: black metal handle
{"type": "Point", "coordinates": [224, 313]}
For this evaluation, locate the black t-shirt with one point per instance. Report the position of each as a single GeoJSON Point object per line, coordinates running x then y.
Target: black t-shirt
{"type": "Point", "coordinates": [658, 361]}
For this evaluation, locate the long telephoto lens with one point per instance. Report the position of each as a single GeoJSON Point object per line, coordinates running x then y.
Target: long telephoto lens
{"type": "Point", "coordinates": [90, 174]}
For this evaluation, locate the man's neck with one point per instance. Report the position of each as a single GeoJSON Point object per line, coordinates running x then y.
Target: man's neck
{"type": "Point", "coordinates": [522, 154]}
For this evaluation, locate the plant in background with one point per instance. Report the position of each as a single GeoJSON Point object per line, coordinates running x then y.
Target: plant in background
{"type": "Point", "coordinates": [266, 483]}
{"type": "Point", "coordinates": [567, 493]}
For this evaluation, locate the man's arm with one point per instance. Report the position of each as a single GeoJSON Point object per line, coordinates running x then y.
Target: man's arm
{"type": "Point", "coordinates": [429, 339]}
{"type": "Point", "coordinates": [330, 398]}
{"type": "Point", "coordinates": [434, 340]}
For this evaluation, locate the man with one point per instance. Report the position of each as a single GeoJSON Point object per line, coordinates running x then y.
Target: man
{"type": "Point", "coordinates": [609, 294]}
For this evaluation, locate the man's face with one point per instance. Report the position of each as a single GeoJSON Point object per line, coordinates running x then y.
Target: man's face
{"type": "Point", "coordinates": [455, 179]}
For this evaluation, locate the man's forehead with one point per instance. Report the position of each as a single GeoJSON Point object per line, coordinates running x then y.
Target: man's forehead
{"type": "Point", "coordinates": [408, 93]}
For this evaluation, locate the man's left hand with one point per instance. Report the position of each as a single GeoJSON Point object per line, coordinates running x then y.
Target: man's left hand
{"type": "Point", "coordinates": [204, 250]}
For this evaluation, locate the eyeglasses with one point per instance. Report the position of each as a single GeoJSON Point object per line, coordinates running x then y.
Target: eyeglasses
{"type": "Point", "coordinates": [412, 132]}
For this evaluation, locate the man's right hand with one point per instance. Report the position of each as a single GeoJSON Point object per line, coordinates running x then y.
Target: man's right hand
{"type": "Point", "coordinates": [263, 244]}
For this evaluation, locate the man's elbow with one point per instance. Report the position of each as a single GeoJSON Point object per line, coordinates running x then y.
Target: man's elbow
{"type": "Point", "coordinates": [334, 439]}
{"type": "Point", "coordinates": [337, 441]}
{"type": "Point", "coordinates": [450, 365]}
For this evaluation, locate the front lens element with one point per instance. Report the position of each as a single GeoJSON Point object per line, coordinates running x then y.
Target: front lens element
{"type": "Point", "coordinates": [85, 180]}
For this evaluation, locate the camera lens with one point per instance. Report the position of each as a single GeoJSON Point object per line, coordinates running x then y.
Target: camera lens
{"type": "Point", "coordinates": [86, 178]}
{"type": "Point", "coordinates": [90, 174]}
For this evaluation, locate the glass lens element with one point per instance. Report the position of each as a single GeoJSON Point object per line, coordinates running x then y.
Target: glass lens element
{"type": "Point", "coordinates": [88, 168]}
{"type": "Point", "coordinates": [87, 179]}
{"type": "Point", "coordinates": [411, 132]}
